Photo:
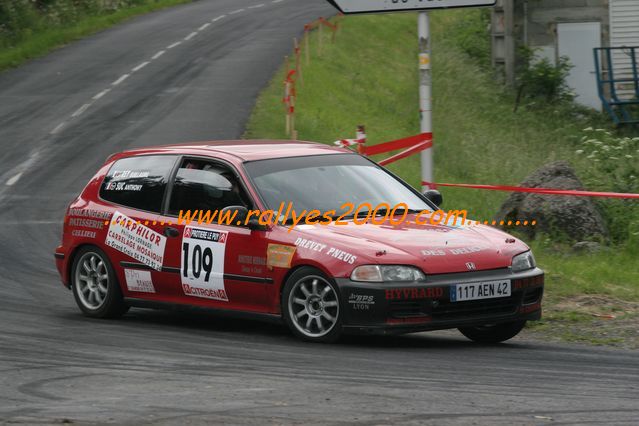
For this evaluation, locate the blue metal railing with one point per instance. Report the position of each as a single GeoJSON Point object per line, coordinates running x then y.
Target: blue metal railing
{"type": "Point", "coordinates": [621, 110]}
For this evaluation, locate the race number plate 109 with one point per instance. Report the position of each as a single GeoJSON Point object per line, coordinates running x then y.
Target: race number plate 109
{"type": "Point", "coordinates": [202, 268]}
{"type": "Point", "coordinates": [480, 290]}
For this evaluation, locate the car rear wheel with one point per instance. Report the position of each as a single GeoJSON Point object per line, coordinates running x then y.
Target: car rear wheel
{"type": "Point", "coordinates": [95, 286]}
{"type": "Point", "coordinates": [311, 307]}
{"type": "Point", "coordinates": [495, 333]}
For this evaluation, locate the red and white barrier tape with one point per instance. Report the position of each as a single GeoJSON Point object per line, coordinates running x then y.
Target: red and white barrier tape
{"type": "Point", "coordinates": [547, 191]}
{"type": "Point", "coordinates": [411, 145]}
{"type": "Point", "coordinates": [345, 143]}
{"type": "Point", "coordinates": [414, 144]}
{"type": "Point", "coordinates": [321, 21]}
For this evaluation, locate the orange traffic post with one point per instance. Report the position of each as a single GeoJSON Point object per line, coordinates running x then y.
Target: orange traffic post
{"type": "Point", "coordinates": [360, 136]}
{"type": "Point", "coordinates": [333, 27]}
{"type": "Point", "coordinates": [298, 65]}
{"type": "Point", "coordinates": [293, 132]}
{"type": "Point", "coordinates": [307, 51]}
{"type": "Point", "coordinates": [287, 100]}
{"type": "Point", "coordinates": [320, 36]}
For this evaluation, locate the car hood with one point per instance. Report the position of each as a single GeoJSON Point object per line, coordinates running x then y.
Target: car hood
{"type": "Point", "coordinates": [436, 249]}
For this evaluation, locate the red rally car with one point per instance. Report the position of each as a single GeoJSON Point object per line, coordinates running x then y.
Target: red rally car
{"type": "Point", "coordinates": [125, 245]}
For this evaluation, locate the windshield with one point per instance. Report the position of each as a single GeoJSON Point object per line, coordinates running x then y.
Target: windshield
{"type": "Point", "coordinates": [326, 182]}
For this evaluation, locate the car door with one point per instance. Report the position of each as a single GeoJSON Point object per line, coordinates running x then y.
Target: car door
{"type": "Point", "coordinates": [135, 189]}
{"type": "Point", "coordinates": [210, 262]}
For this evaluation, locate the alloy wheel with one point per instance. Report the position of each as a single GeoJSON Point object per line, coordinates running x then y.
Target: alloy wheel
{"type": "Point", "coordinates": [92, 280]}
{"type": "Point", "coordinates": [314, 306]}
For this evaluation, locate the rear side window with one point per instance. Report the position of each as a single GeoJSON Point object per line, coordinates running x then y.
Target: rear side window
{"type": "Point", "coordinates": [138, 182]}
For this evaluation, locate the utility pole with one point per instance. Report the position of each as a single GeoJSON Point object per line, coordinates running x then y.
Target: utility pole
{"type": "Point", "coordinates": [423, 32]}
{"type": "Point", "coordinates": [425, 94]}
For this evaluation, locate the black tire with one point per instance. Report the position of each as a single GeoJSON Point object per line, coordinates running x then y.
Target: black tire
{"type": "Point", "coordinates": [99, 294]}
{"type": "Point", "coordinates": [493, 333]}
{"type": "Point", "coordinates": [322, 301]}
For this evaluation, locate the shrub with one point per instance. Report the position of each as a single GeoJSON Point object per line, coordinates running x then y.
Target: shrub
{"type": "Point", "coordinates": [539, 78]}
{"type": "Point", "coordinates": [21, 18]}
{"type": "Point", "coordinates": [471, 32]}
{"type": "Point", "coordinates": [17, 18]}
{"type": "Point", "coordinates": [612, 164]}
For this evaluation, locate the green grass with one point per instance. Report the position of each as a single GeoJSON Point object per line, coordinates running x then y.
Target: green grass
{"type": "Point", "coordinates": [369, 76]}
{"type": "Point", "coordinates": [43, 41]}
{"type": "Point", "coordinates": [612, 272]}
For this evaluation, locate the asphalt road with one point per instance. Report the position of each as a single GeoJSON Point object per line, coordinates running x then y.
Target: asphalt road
{"type": "Point", "coordinates": [57, 125]}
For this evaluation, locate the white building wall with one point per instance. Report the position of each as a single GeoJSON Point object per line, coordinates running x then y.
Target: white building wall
{"type": "Point", "coordinates": [624, 31]}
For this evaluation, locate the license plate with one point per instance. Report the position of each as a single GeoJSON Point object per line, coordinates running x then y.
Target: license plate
{"type": "Point", "coordinates": [479, 290]}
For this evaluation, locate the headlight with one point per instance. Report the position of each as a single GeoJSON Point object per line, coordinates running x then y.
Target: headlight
{"type": "Point", "coordinates": [381, 273]}
{"type": "Point", "coordinates": [523, 261]}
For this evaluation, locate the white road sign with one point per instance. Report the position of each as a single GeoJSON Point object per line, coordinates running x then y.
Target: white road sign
{"type": "Point", "coordinates": [372, 6]}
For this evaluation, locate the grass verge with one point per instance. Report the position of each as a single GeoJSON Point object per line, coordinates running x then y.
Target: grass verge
{"type": "Point", "coordinates": [369, 76]}
{"type": "Point", "coordinates": [43, 41]}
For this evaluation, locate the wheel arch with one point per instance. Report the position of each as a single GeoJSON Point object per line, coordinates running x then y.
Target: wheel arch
{"type": "Point", "coordinates": [321, 332]}
{"type": "Point", "coordinates": [73, 255]}
{"type": "Point", "coordinates": [295, 268]}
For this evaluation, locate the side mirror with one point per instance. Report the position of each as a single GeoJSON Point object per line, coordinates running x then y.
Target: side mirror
{"type": "Point", "coordinates": [434, 197]}
{"type": "Point", "coordinates": [254, 225]}
{"type": "Point", "coordinates": [240, 213]}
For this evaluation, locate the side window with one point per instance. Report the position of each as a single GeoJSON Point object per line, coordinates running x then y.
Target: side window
{"type": "Point", "coordinates": [202, 185]}
{"type": "Point", "coordinates": [138, 182]}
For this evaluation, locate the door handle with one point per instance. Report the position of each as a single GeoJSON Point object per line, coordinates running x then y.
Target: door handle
{"type": "Point", "coordinates": [171, 232]}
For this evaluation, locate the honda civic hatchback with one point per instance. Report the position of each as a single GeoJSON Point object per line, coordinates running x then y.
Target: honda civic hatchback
{"type": "Point", "coordinates": [225, 226]}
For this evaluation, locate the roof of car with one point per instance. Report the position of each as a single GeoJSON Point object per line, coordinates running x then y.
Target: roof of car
{"type": "Point", "coordinates": [244, 150]}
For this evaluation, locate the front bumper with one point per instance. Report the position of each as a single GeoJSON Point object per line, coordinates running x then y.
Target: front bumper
{"type": "Point", "coordinates": [390, 308]}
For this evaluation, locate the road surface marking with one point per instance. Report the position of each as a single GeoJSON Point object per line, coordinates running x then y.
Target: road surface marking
{"type": "Point", "coordinates": [99, 95]}
{"type": "Point", "coordinates": [120, 80]}
{"type": "Point", "coordinates": [14, 179]}
{"type": "Point", "coordinates": [22, 167]}
{"type": "Point", "coordinates": [84, 107]}
{"type": "Point", "coordinates": [58, 128]}
{"type": "Point", "coordinates": [139, 67]}
{"type": "Point", "coordinates": [80, 110]}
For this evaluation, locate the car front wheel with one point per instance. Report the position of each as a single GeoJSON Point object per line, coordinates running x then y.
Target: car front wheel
{"type": "Point", "coordinates": [495, 333]}
{"type": "Point", "coordinates": [311, 308]}
{"type": "Point", "coordinates": [95, 286]}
